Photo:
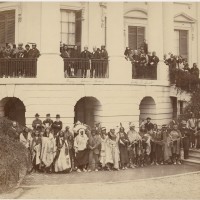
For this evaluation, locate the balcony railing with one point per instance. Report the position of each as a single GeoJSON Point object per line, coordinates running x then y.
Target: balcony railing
{"type": "Point", "coordinates": [25, 67]}
{"type": "Point", "coordinates": [144, 72]}
{"type": "Point", "coordinates": [85, 68]}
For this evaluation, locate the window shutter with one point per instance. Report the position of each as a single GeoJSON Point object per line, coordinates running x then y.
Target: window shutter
{"type": "Point", "coordinates": [7, 27]}
{"type": "Point", "coordinates": [140, 36]}
{"type": "Point", "coordinates": [132, 37]}
{"type": "Point", "coordinates": [78, 28]}
{"type": "Point", "coordinates": [183, 43]}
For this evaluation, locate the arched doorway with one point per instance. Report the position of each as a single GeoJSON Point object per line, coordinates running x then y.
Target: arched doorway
{"type": "Point", "coordinates": [14, 109]}
{"type": "Point", "coordinates": [147, 109]}
{"type": "Point", "coordinates": [87, 111]}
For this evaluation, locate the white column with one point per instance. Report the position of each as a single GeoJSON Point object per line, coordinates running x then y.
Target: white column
{"type": "Point", "coordinates": [168, 27]}
{"type": "Point", "coordinates": [50, 64]}
{"type": "Point", "coordinates": [155, 37]}
{"type": "Point", "coordinates": [119, 68]}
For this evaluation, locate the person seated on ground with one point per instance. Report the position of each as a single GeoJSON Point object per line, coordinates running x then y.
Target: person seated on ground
{"type": "Point", "coordinates": [195, 71]}
{"type": "Point", "coordinates": [34, 52]}
{"type": "Point", "coordinates": [26, 51]}
{"type": "Point", "coordinates": [65, 52]}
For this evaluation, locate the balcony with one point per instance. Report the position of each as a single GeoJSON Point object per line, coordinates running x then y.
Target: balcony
{"type": "Point", "coordinates": [146, 72]}
{"type": "Point", "coordinates": [17, 68]}
{"type": "Point", "coordinates": [85, 68]}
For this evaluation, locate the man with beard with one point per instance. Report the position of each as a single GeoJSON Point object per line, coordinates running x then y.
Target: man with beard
{"type": "Point", "coordinates": [13, 131]}
{"type": "Point", "coordinates": [48, 121]}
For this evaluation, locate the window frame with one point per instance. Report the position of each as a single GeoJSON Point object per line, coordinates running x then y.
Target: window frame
{"type": "Point", "coordinates": [68, 22]}
{"type": "Point", "coordinates": [16, 9]}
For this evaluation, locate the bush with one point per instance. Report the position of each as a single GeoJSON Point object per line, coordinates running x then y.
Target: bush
{"type": "Point", "coordinates": [13, 157]}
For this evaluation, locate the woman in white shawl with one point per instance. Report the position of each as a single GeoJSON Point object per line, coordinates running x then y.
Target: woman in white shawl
{"type": "Point", "coordinates": [62, 160]}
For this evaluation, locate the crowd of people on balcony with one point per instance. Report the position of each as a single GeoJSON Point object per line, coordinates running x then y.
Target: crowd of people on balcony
{"type": "Point", "coordinates": [144, 63]}
{"type": "Point", "coordinates": [19, 52]}
{"type": "Point", "coordinates": [82, 148]}
{"type": "Point", "coordinates": [84, 64]}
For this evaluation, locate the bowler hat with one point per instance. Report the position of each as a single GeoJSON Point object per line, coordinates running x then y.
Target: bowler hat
{"type": "Point", "coordinates": [57, 116]}
{"type": "Point", "coordinates": [37, 115]}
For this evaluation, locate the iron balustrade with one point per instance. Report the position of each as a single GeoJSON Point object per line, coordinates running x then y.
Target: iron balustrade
{"type": "Point", "coordinates": [24, 67]}
{"type": "Point", "coordinates": [140, 71]}
{"type": "Point", "coordinates": [85, 68]}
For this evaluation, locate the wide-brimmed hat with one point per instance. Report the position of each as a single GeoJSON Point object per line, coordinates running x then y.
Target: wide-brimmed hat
{"type": "Point", "coordinates": [37, 115]}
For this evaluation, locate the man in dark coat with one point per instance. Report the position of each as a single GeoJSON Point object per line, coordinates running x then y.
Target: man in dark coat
{"type": "Point", "coordinates": [34, 52]}
{"type": "Point", "coordinates": [86, 55]}
{"type": "Point", "coordinates": [135, 63]}
{"type": "Point", "coordinates": [104, 57]}
{"type": "Point", "coordinates": [185, 132]}
{"type": "Point", "coordinates": [13, 132]}
{"type": "Point", "coordinates": [48, 121]}
{"type": "Point", "coordinates": [148, 125]}
{"type": "Point", "coordinates": [195, 71]}
{"type": "Point", "coordinates": [26, 51]}
{"type": "Point", "coordinates": [144, 45]}
{"type": "Point", "coordinates": [153, 61]}
{"type": "Point", "coordinates": [37, 123]}
{"type": "Point", "coordinates": [57, 125]}
{"type": "Point", "coordinates": [96, 54]}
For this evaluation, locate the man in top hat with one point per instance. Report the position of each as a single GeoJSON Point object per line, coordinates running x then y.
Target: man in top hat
{"type": "Point", "coordinates": [37, 123]}
{"type": "Point", "coordinates": [34, 52]}
{"type": "Point", "coordinates": [48, 121]}
{"type": "Point", "coordinates": [57, 125]}
{"type": "Point", "coordinates": [148, 125]}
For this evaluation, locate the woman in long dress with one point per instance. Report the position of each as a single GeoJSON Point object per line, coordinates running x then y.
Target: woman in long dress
{"type": "Point", "coordinates": [123, 148]}
{"type": "Point", "coordinates": [62, 160]}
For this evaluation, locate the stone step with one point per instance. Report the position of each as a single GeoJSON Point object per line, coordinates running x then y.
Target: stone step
{"type": "Point", "coordinates": [194, 152]}
{"type": "Point", "coordinates": [194, 157]}
{"type": "Point", "coordinates": [192, 161]}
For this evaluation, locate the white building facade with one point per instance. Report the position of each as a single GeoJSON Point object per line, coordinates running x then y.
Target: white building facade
{"type": "Point", "coordinates": [167, 27]}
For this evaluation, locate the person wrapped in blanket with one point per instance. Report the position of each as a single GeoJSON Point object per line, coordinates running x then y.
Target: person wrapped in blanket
{"type": "Point", "coordinates": [81, 147]}
{"type": "Point", "coordinates": [133, 148]}
{"type": "Point", "coordinates": [176, 136]}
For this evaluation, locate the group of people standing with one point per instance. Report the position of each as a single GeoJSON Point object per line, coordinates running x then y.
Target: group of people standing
{"type": "Point", "coordinates": [144, 63]}
{"type": "Point", "coordinates": [85, 64]}
{"type": "Point", "coordinates": [13, 51]}
{"type": "Point", "coordinates": [92, 149]}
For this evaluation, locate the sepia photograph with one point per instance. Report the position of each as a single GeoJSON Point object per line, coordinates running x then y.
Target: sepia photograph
{"type": "Point", "coordinates": [99, 99]}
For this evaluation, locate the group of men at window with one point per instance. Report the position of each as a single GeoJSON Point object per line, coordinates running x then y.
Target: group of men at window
{"type": "Point", "coordinates": [179, 63]}
{"type": "Point", "coordinates": [85, 64]}
{"type": "Point", "coordinates": [144, 63]}
{"type": "Point", "coordinates": [14, 51]}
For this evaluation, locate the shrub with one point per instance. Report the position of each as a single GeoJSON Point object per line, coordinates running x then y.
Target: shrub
{"type": "Point", "coordinates": [13, 157]}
